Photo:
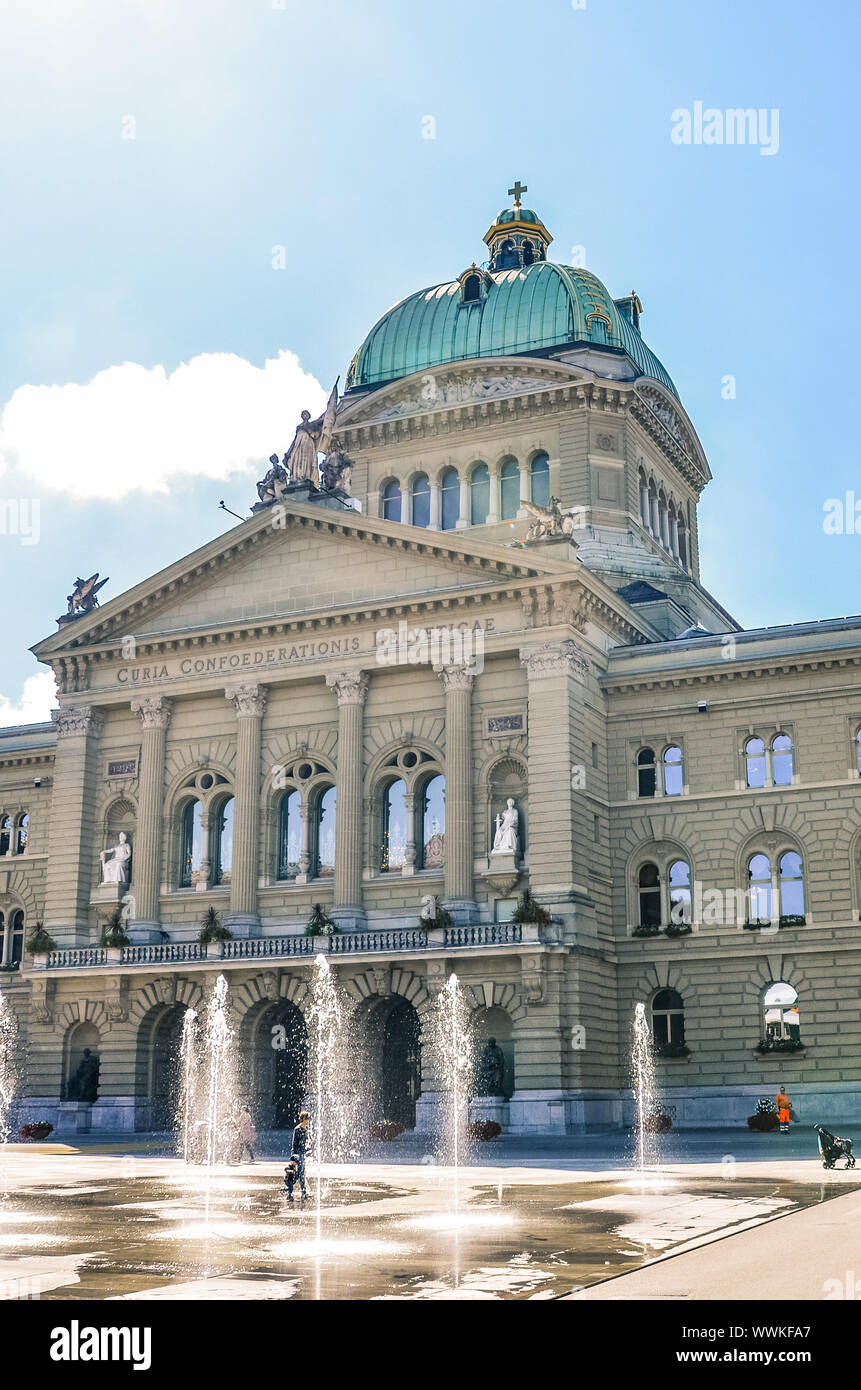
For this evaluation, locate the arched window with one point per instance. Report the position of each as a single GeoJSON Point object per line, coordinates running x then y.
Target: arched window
{"type": "Point", "coordinates": [668, 1019]}
{"type": "Point", "coordinates": [791, 884]}
{"type": "Point", "coordinates": [674, 775]}
{"type": "Point", "coordinates": [222, 850]}
{"type": "Point", "coordinates": [683, 541]}
{"type": "Point", "coordinates": [528, 252]}
{"type": "Point", "coordinates": [420, 497]}
{"type": "Point", "coordinates": [509, 488]}
{"type": "Point", "coordinates": [289, 834]}
{"type": "Point", "coordinates": [858, 751]}
{"type": "Point", "coordinates": [6, 835]}
{"type": "Point", "coordinates": [16, 953]}
{"type": "Point", "coordinates": [539, 471]}
{"type": "Point", "coordinates": [663, 521]}
{"type": "Point", "coordinates": [191, 848]}
{"type": "Point", "coordinates": [680, 893]}
{"type": "Point", "coordinates": [391, 498]}
{"type": "Point", "coordinates": [674, 531]}
{"type": "Point", "coordinates": [644, 497]}
{"type": "Point", "coordinates": [754, 758]}
{"type": "Point", "coordinates": [782, 1019]}
{"type": "Point", "coordinates": [22, 830]}
{"type": "Point", "coordinates": [479, 494]}
{"type": "Point", "coordinates": [781, 760]}
{"type": "Point", "coordinates": [325, 830]}
{"type": "Point", "coordinates": [646, 772]}
{"type": "Point", "coordinates": [433, 823]}
{"type": "Point", "coordinates": [654, 523]}
{"type": "Point", "coordinates": [471, 289]}
{"type": "Point", "coordinates": [393, 845]}
{"type": "Point", "coordinates": [507, 258]}
{"type": "Point", "coordinates": [449, 499]}
{"type": "Point", "coordinates": [649, 889]}
{"type": "Point", "coordinates": [759, 880]}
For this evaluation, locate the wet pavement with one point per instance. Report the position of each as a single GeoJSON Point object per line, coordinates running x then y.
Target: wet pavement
{"type": "Point", "coordinates": [82, 1225]}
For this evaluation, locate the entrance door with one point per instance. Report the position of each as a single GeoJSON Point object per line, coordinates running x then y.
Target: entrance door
{"type": "Point", "coordinates": [401, 1064]}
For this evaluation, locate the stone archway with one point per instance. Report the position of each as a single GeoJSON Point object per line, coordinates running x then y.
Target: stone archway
{"type": "Point", "coordinates": [165, 1065]}
{"type": "Point", "coordinates": [159, 1011]}
{"type": "Point", "coordinates": [274, 1053]}
{"type": "Point", "coordinates": [388, 1040]}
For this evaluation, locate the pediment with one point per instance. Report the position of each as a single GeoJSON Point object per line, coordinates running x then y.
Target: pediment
{"type": "Point", "coordinates": [446, 388]}
{"type": "Point", "coordinates": [312, 562]}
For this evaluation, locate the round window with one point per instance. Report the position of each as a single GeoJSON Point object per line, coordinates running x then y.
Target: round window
{"type": "Point", "coordinates": [304, 771]}
{"type": "Point", "coordinates": [206, 781]}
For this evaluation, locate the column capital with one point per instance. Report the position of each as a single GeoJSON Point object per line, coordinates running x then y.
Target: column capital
{"type": "Point", "coordinates": [351, 687]}
{"type": "Point", "coordinates": [455, 677]}
{"type": "Point", "coordinates": [154, 711]}
{"type": "Point", "coordinates": [248, 698]}
{"type": "Point", "coordinates": [76, 720]}
{"type": "Point", "coordinates": [554, 659]}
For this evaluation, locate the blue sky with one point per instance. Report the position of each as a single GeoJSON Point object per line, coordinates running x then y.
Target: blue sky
{"type": "Point", "coordinates": [258, 124]}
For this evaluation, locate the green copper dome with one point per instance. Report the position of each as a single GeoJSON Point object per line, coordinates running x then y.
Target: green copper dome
{"type": "Point", "coordinates": [535, 308]}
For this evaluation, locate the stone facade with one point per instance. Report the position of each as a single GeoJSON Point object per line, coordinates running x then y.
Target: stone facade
{"type": "Point", "coordinates": [257, 673]}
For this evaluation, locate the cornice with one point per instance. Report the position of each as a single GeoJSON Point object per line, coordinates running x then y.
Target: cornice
{"type": "Point", "coordinates": [728, 671]}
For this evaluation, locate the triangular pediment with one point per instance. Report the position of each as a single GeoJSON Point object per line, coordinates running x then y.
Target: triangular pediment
{"type": "Point", "coordinates": [304, 560]}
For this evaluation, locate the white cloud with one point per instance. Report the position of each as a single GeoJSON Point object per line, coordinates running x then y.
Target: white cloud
{"type": "Point", "coordinates": [38, 698]}
{"type": "Point", "coordinates": [134, 428]}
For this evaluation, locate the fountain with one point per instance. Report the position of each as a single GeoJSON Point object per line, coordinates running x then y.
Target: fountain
{"type": "Point", "coordinates": [643, 1085]}
{"type": "Point", "coordinates": [328, 1068]}
{"type": "Point", "coordinates": [8, 1067]}
{"type": "Point", "coordinates": [452, 1046]}
{"type": "Point", "coordinates": [188, 1070]}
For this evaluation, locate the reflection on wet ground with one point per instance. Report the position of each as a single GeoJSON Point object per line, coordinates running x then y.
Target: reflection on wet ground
{"type": "Point", "coordinates": [88, 1228]}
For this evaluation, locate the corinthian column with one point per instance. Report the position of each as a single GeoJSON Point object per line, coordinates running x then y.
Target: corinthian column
{"type": "Point", "coordinates": [154, 713]}
{"type": "Point", "coordinates": [351, 689]}
{"type": "Point", "coordinates": [249, 701]}
{"type": "Point", "coordinates": [457, 682]}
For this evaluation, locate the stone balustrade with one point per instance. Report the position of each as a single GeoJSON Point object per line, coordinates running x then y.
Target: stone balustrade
{"type": "Point", "coordinates": [383, 940]}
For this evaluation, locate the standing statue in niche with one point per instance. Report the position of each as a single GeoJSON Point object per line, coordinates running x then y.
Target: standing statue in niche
{"type": "Point", "coordinates": [491, 1069]}
{"type": "Point", "coordinates": [507, 837]}
{"type": "Point", "coordinates": [84, 1085]}
{"type": "Point", "coordinates": [116, 868]}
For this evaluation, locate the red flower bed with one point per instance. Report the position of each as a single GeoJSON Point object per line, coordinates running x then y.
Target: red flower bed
{"type": "Point", "coordinates": [764, 1123]}
{"type": "Point", "coordinates": [35, 1132]}
{"type": "Point", "coordinates": [482, 1130]}
{"type": "Point", "coordinates": [386, 1129]}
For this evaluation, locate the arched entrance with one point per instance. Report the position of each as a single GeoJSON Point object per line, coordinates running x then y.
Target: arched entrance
{"type": "Point", "coordinates": [391, 1042]}
{"type": "Point", "coordinates": [279, 1054]}
{"type": "Point", "coordinates": [164, 1066]}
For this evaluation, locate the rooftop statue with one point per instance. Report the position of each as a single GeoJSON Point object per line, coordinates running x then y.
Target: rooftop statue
{"type": "Point", "coordinates": [548, 522]}
{"type": "Point", "coordinates": [299, 466]}
{"type": "Point", "coordinates": [82, 599]}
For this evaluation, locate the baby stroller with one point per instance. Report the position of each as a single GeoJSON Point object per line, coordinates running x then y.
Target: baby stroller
{"type": "Point", "coordinates": [832, 1148]}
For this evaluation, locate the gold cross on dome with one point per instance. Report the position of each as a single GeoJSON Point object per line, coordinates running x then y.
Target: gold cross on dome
{"type": "Point", "coordinates": [516, 191]}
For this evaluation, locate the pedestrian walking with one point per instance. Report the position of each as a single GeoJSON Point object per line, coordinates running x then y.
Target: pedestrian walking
{"type": "Point", "coordinates": [247, 1134]}
{"type": "Point", "coordinates": [295, 1169]}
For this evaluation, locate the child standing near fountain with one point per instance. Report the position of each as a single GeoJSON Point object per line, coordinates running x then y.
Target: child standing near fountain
{"type": "Point", "coordinates": [296, 1167]}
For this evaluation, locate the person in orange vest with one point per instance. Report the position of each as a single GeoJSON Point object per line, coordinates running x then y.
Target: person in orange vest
{"type": "Point", "coordinates": [783, 1105]}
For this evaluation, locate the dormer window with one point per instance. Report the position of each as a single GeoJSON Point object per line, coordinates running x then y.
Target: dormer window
{"type": "Point", "coordinates": [471, 289]}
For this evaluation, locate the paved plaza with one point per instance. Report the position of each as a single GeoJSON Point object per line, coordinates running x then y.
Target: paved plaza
{"type": "Point", "coordinates": [730, 1214]}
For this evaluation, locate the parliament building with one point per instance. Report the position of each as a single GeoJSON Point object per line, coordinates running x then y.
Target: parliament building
{"type": "Point", "coordinates": [332, 712]}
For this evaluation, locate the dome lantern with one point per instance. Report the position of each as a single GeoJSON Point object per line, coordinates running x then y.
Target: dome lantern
{"type": "Point", "coordinates": [518, 237]}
